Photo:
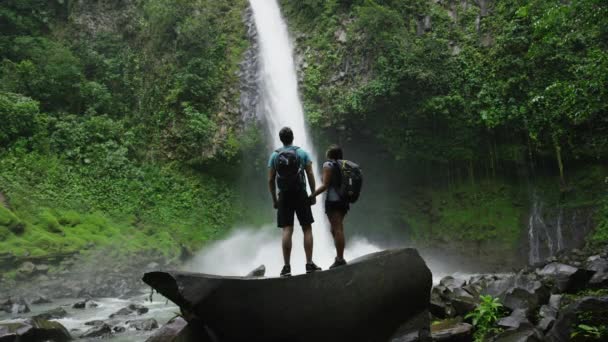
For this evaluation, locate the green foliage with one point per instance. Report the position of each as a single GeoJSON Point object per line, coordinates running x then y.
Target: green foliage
{"type": "Point", "coordinates": [9, 222]}
{"type": "Point", "coordinates": [18, 115]}
{"type": "Point", "coordinates": [487, 312]}
{"type": "Point", "coordinates": [589, 331]}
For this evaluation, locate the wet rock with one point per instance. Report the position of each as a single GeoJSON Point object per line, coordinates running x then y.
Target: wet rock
{"type": "Point", "coordinates": [26, 268]}
{"type": "Point", "coordinates": [260, 271]}
{"type": "Point", "coordinates": [514, 320]}
{"type": "Point", "coordinates": [178, 330]}
{"type": "Point", "coordinates": [462, 301]}
{"type": "Point", "coordinates": [527, 299]}
{"type": "Point", "coordinates": [547, 314]}
{"type": "Point", "coordinates": [452, 283]}
{"type": "Point", "coordinates": [143, 324]}
{"type": "Point", "coordinates": [52, 314]}
{"type": "Point", "coordinates": [452, 330]}
{"type": "Point", "coordinates": [600, 266]}
{"type": "Point", "coordinates": [439, 308]}
{"type": "Point", "coordinates": [34, 330]}
{"type": "Point", "coordinates": [129, 310]}
{"type": "Point", "coordinates": [40, 299]}
{"type": "Point", "coordinates": [18, 307]}
{"type": "Point", "coordinates": [42, 268]}
{"type": "Point", "coordinates": [235, 305]}
{"type": "Point", "coordinates": [95, 323]}
{"type": "Point", "coordinates": [524, 333]}
{"type": "Point", "coordinates": [594, 309]}
{"type": "Point", "coordinates": [566, 278]}
{"type": "Point", "coordinates": [119, 329]}
{"type": "Point", "coordinates": [87, 303]}
{"type": "Point", "coordinates": [102, 330]}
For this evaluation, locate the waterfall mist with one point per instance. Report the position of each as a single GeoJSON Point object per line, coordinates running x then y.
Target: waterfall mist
{"type": "Point", "coordinates": [280, 105]}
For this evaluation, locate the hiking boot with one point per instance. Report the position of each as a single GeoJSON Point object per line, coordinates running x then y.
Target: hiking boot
{"type": "Point", "coordinates": [312, 268]}
{"type": "Point", "coordinates": [338, 263]}
{"type": "Point", "coordinates": [286, 271]}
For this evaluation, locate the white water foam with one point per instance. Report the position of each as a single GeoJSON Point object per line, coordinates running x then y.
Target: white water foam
{"type": "Point", "coordinates": [250, 247]}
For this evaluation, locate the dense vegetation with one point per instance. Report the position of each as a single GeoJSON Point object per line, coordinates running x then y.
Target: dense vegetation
{"type": "Point", "coordinates": [474, 99]}
{"type": "Point", "coordinates": [115, 117]}
{"type": "Point", "coordinates": [121, 119]}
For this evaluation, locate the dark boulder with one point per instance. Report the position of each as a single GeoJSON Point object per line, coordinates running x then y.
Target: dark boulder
{"type": "Point", "coordinates": [462, 301]}
{"type": "Point", "coordinates": [34, 330]}
{"type": "Point", "coordinates": [84, 304]}
{"type": "Point", "coordinates": [566, 278]}
{"type": "Point", "coordinates": [452, 283]}
{"type": "Point", "coordinates": [102, 330]}
{"type": "Point", "coordinates": [52, 314]}
{"type": "Point", "coordinates": [592, 311]}
{"type": "Point", "coordinates": [513, 321]}
{"type": "Point", "coordinates": [524, 333]}
{"type": "Point", "coordinates": [143, 324]}
{"type": "Point", "coordinates": [368, 299]}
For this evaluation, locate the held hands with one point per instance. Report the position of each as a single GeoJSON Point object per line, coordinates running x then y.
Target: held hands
{"type": "Point", "coordinates": [312, 200]}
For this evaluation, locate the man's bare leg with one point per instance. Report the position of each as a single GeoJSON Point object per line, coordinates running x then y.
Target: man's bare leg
{"type": "Point", "coordinates": [287, 234]}
{"type": "Point", "coordinates": [308, 242]}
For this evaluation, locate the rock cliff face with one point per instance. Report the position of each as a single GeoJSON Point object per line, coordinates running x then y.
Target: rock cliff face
{"type": "Point", "coordinates": [367, 300]}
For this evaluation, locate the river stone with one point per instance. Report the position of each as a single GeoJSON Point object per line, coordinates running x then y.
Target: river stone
{"type": "Point", "coordinates": [348, 303]}
{"type": "Point", "coordinates": [600, 266]}
{"type": "Point", "coordinates": [52, 314]}
{"type": "Point", "coordinates": [87, 303]}
{"type": "Point", "coordinates": [131, 309]}
{"type": "Point", "coordinates": [178, 330]}
{"type": "Point", "coordinates": [26, 269]}
{"type": "Point", "coordinates": [452, 331]}
{"type": "Point", "coordinates": [566, 278]}
{"type": "Point", "coordinates": [596, 308]}
{"type": "Point", "coordinates": [452, 283]}
{"type": "Point", "coordinates": [547, 314]}
{"type": "Point", "coordinates": [143, 324]}
{"type": "Point", "coordinates": [34, 330]}
{"type": "Point", "coordinates": [462, 301]}
{"type": "Point", "coordinates": [97, 331]}
{"type": "Point", "coordinates": [514, 320]}
{"type": "Point", "coordinates": [40, 299]}
{"type": "Point", "coordinates": [18, 307]}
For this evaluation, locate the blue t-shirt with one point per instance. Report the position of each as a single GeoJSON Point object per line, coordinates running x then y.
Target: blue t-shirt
{"type": "Point", "coordinates": [304, 159]}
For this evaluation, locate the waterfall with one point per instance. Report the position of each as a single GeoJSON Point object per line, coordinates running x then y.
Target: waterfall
{"type": "Point", "coordinates": [279, 105]}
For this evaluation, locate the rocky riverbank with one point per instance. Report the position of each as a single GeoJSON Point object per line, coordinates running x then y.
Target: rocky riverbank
{"type": "Point", "coordinates": [560, 299]}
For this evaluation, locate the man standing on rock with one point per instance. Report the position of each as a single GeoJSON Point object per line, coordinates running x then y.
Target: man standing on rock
{"type": "Point", "coordinates": [286, 169]}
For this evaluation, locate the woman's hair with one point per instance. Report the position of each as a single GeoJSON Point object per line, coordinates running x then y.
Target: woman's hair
{"type": "Point", "coordinates": [334, 152]}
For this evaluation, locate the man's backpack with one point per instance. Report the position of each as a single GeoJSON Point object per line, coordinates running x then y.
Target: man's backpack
{"type": "Point", "coordinates": [351, 180]}
{"type": "Point", "coordinates": [289, 169]}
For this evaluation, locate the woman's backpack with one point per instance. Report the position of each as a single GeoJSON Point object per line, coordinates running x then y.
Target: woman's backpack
{"type": "Point", "coordinates": [351, 180]}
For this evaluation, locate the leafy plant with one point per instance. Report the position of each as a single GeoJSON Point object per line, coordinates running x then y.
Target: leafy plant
{"type": "Point", "coordinates": [589, 331]}
{"type": "Point", "coordinates": [484, 316]}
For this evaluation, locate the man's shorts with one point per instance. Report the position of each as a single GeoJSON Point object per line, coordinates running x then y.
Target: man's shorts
{"type": "Point", "coordinates": [293, 203]}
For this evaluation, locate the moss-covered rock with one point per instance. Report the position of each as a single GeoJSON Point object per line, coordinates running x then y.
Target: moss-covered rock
{"type": "Point", "coordinates": [49, 222]}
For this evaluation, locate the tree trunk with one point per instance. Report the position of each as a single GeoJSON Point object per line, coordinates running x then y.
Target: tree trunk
{"type": "Point", "coordinates": [560, 164]}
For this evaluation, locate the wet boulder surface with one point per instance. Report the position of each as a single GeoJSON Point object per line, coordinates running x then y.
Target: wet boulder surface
{"type": "Point", "coordinates": [33, 330]}
{"type": "Point", "coordinates": [367, 300]}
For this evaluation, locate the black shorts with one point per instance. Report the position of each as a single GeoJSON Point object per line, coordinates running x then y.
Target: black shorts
{"type": "Point", "coordinates": [294, 203]}
{"type": "Point", "coordinates": [340, 206]}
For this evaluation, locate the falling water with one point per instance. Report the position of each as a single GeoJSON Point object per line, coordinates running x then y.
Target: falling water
{"type": "Point", "coordinates": [280, 106]}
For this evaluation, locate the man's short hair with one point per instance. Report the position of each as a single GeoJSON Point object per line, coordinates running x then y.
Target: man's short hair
{"type": "Point", "coordinates": [286, 135]}
{"type": "Point", "coordinates": [334, 152]}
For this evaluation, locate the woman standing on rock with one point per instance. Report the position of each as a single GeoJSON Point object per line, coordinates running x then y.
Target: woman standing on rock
{"type": "Point", "coordinates": [336, 207]}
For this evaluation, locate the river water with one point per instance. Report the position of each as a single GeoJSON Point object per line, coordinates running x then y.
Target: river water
{"type": "Point", "coordinates": [159, 309]}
